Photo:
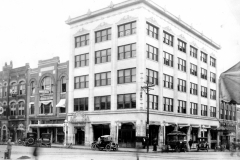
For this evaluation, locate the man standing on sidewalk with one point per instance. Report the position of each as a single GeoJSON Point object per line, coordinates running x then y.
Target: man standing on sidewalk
{"type": "Point", "coordinates": [9, 147]}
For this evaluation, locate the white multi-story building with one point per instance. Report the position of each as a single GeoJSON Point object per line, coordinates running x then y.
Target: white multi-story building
{"type": "Point", "coordinates": [115, 50]}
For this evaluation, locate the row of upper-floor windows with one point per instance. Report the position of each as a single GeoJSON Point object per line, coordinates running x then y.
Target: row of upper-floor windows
{"type": "Point", "coordinates": [128, 101]}
{"type": "Point", "coordinates": [129, 76]}
{"type": "Point", "coordinates": [153, 31]}
{"type": "Point", "coordinates": [15, 109]}
{"type": "Point", "coordinates": [45, 109]}
{"type": "Point", "coordinates": [47, 84]}
{"type": "Point", "coordinates": [14, 89]}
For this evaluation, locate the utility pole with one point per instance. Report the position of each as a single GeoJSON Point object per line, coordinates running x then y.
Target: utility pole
{"type": "Point", "coordinates": [146, 89]}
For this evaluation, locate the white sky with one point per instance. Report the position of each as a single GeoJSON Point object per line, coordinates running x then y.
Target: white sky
{"type": "Point", "coordinates": [32, 30]}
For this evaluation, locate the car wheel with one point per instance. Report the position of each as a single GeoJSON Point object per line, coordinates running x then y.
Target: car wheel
{"type": "Point", "coordinates": [30, 141]}
{"type": "Point", "coordinates": [93, 146]}
{"type": "Point", "coordinates": [108, 147]}
{"type": "Point", "coordinates": [177, 149]}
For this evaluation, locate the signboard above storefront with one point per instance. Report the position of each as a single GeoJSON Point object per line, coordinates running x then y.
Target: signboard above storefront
{"type": "Point", "coordinates": [44, 91]}
{"type": "Point", "coordinates": [46, 97]}
{"type": "Point", "coordinates": [80, 118]}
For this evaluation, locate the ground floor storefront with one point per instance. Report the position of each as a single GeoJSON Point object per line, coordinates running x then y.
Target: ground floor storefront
{"type": "Point", "coordinates": [4, 132]}
{"type": "Point", "coordinates": [125, 128]}
{"type": "Point", "coordinates": [54, 127]}
{"type": "Point", "coordinates": [17, 130]}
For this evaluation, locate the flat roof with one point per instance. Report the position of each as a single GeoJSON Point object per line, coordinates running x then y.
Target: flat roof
{"type": "Point", "coordinates": [152, 5]}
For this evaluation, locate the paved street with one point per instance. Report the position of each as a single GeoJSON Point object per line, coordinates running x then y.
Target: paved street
{"type": "Point", "coordinates": [65, 154]}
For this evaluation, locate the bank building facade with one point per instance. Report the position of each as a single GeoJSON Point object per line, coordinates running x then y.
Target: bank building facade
{"type": "Point", "coordinates": [115, 51]}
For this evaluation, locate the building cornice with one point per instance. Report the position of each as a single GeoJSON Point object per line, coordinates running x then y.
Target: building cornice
{"type": "Point", "coordinates": [150, 4]}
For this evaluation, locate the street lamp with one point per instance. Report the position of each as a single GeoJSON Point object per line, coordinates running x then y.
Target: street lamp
{"type": "Point", "coordinates": [146, 89]}
{"type": "Point", "coordinates": [65, 131]}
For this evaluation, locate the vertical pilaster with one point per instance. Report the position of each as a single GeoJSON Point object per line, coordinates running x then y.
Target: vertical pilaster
{"type": "Point", "coordinates": [208, 86]}
{"type": "Point", "coordinates": [199, 82]}
{"type": "Point", "coordinates": [160, 74]}
{"type": "Point", "coordinates": [175, 76]}
{"type": "Point", "coordinates": [209, 137]}
{"type": "Point", "coordinates": [188, 79]}
{"type": "Point", "coordinates": [91, 71]}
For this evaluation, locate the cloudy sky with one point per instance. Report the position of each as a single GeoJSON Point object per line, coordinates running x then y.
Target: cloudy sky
{"type": "Point", "coordinates": [32, 30]}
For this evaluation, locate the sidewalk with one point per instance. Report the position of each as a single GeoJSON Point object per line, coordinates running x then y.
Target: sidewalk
{"type": "Point", "coordinates": [126, 149]}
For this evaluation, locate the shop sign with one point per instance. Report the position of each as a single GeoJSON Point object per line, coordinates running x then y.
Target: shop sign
{"type": "Point", "coordinates": [1, 110]}
{"type": "Point", "coordinates": [46, 98]}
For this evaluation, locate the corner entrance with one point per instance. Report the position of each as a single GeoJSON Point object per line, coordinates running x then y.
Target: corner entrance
{"type": "Point", "coordinates": [127, 136]}
{"type": "Point", "coordinates": [79, 135]}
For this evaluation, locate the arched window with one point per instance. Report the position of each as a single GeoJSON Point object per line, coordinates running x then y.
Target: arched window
{"type": "Point", "coordinates": [32, 85]}
{"type": "Point", "coordinates": [22, 88]}
{"type": "Point", "coordinates": [13, 90]}
{"type": "Point", "coordinates": [63, 84]}
{"type": "Point", "coordinates": [5, 90]}
{"type": "Point", "coordinates": [21, 108]}
{"type": "Point", "coordinates": [46, 108]}
{"type": "Point", "coordinates": [47, 84]}
{"type": "Point", "coordinates": [13, 109]}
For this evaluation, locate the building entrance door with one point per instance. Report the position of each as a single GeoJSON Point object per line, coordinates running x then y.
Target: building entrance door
{"type": "Point", "coordinates": [79, 136]}
{"type": "Point", "coordinates": [127, 136]}
{"type": "Point", "coordinates": [153, 133]}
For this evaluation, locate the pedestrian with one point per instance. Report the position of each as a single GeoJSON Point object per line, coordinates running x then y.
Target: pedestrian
{"type": "Point", "coordinates": [143, 143]}
{"type": "Point", "coordinates": [9, 147]}
{"type": "Point", "coordinates": [35, 152]}
{"type": "Point", "coordinates": [190, 143]}
{"type": "Point", "coordinates": [155, 144]}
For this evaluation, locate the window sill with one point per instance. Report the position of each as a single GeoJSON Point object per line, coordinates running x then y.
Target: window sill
{"type": "Point", "coordinates": [157, 39]}
{"type": "Point", "coordinates": [128, 35]}
{"type": "Point", "coordinates": [168, 88]}
{"type": "Point", "coordinates": [103, 86]}
{"type": "Point", "coordinates": [168, 45]}
{"type": "Point", "coordinates": [127, 58]}
{"type": "Point", "coordinates": [80, 88]}
{"type": "Point", "coordinates": [102, 41]}
{"type": "Point", "coordinates": [168, 66]}
{"type": "Point", "coordinates": [81, 66]}
{"type": "Point", "coordinates": [151, 60]}
{"type": "Point", "coordinates": [126, 83]}
{"type": "Point", "coordinates": [103, 63]}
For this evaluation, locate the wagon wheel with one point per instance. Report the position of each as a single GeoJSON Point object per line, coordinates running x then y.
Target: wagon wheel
{"type": "Point", "coordinates": [30, 141]}
{"type": "Point", "coordinates": [93, 146]}
{"type": "Point", "coordinates": [108, 147]}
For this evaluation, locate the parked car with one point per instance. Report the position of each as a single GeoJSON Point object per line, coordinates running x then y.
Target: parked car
{"type": "Point", "coordinates": [105, 142]}
{"type": "Point", "coordinates": [177, 141]}
{"type": "Point", "coordinates": [202, 144]}
{"type": "Point", "coordinates": [31, 139]}
{"type": "Point", "coordinates": [46, 139]}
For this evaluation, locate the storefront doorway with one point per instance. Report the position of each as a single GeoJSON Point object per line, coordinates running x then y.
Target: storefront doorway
{"type": "Point", "coordinates": [153, 133]}
{"type": "Point", "coordinates": [100, 130]}
{"type": "Point", "coordinates": [169, 129]}
{"type": "Point", "coordinates": [127, 136]}
{"type": "Point", "coordinates": [79, 136]}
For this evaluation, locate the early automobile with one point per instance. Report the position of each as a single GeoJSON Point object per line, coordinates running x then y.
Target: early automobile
{"type": "Point", "coordinates": [105, 142]}
{"type": "Point", "coordinates": [31, 139]}
{"type": "Point", "coordinates": [202, 144]}
{"type": "Point", "coordinates": [177, 141]}
{"type": "Point", "coordinates": [46, 139]}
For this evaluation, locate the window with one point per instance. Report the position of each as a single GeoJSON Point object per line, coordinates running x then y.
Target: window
{"type": "Point", "coordinates": [103, 79]}
{"type": "Point", "coordinates": [168, 104]}
{"type": "Point", "coordinates": [102, 103]}
{"type": "Point", "coordinates": [153, 102]}
{"type": "Point", "coordinates": [82, 60]}
{"type": "Point", "coordinates": [181, 65]}
{"type": "Point", "coordinates": [213, 77]}
{"type": "Point", "coordinates": [46, 108]}
{"type": "Point", "coordinates": [80, 104]}
{"type": "Point", "coordinates": [126, 101]}
{"type": "Point", "coordinates": [13, 109]}
{"type": "Point", "coordinates": [181, 46]}
{"type": "Point", "coordinates": [47, 84]}
{"type": "Point", "coordinates": [31, 109]}
{"type": "Point", "coordinates": [103, 35]}
{"type": "Point", "coordinates": [203, 110]}
{"type": "Point", "coordinates": [21, 88]}
{"type": "Point", "coordinates": [127, 75]}
{"type": "Point", "coordinates": [212, 61]}
{"type": "Point", "coordinates": [63, 85]}
{"type": "Point", "coordinates": [193, 52]}
{"type": "Point", "coordinates": [32, 89]}
{"type": "Point", "coordinates": [213, 111]}
{"type": "Point", "coordinates": [13, 90]}
{"type": "Point", "coordinates": [168, 81]}
{"type": "Point", "coordinates": [193, 69]}
{"type": "Point", "coordinates": [5, 91]}
{"type": "Point", "coordinates": [204, 91]}
{"type": "Point", "coordinates": [152, 76]}
{"type": "Point", "coordinates": [204, 57]}
{"type": "Point", "coordinates": [168, 59]}
{"type": "Point", "coordinates": [21, 108]}
{"type": "Point", "coordinates": [82, 40]}
{"type": "Point", "coordinates": [126, 29]}
{"type": "Point", "coordinates": [181, 85]}
{"type": "Point", "coordinates": [152, 31]}
{"type": "Point", "coordinates": [152, 52]}
{"type": "Point", "coordinates": [221, 114]}
{"type": "Point", "coordinates": [127, 51]}
{"type": "Point", "coordinates": [212, 94]}
{"type": "Point", "coordinates": [193, 108]}
{"type": "Point", "coordinates": [193, 88]}
{"type": "Point", "coordinates": [181, 106]}
{"type": "Point", "coordinates": [203, 73]}
{"type": "Point", "coordinates": [167, 38]}
{"type": "Point", "coordinates": [81, 82]}
{"type": "Point", "coordinates": [103, 56]}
